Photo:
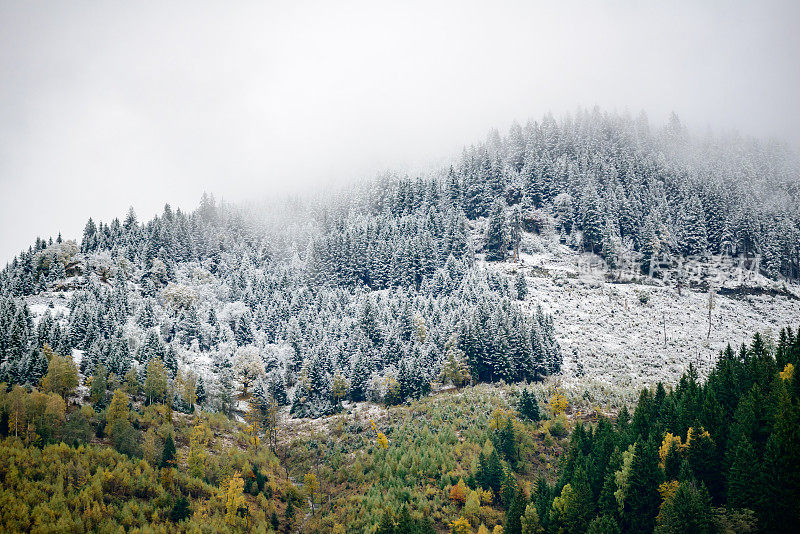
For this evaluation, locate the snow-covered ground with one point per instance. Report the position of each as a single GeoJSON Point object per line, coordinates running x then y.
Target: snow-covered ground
{"type": "Point", "coordinates": [621, 341]}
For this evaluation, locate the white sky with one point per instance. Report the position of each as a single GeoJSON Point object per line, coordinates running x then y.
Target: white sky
{"type": "Point", "coordinates": [104, 105]}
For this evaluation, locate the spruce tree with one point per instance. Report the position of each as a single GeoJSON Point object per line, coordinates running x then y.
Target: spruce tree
{"type": "Point", "coordinates": [695, 240]}
{"type": "Point", "coordinates": [744, 476]}
{"type": "Point", "coordinates": [593, 220]}
{"type": "Point", "coordinates": [496, 241]}
{"type": "Point", "coordinates": [528, 406]}
{"type": "Point", "coordinates": [168, 453]}
{"type": "Point", "coordinates": [513, 524]}
{"type": "Point", "coordinates": [642, 499]}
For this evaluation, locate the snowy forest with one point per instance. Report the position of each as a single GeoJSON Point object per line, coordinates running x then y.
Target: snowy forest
{"type": "Point", "coordinates": [372, 291]}
{"type": "Point", "coordinates": [384, 292]}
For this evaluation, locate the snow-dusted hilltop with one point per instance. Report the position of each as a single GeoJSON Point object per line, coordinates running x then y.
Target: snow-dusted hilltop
{"type": "Point", "coordinates": [478, 273]}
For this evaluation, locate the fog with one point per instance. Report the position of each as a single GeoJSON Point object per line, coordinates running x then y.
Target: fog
{"type": "Point", "coordinates": [104, 106]}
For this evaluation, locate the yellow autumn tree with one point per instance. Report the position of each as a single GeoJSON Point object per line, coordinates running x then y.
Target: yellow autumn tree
{"type": "Point", "coordinates": [339, 387]}
{"type": "Point", "coordinates": [455, 369]}
{"type": "Point", "coordinates": [55, 410]}
{"type": "Point", "coordinates": [151, 447]}
{"type": "Point", "coordinates": [788, 372]}
{"type": "Point", "coordinates": [155, 383]}
{"type": "Point", "coordinates": [270, 414]}
{"type": "Point", "coordinates": [118, 408]}
{"type": "Point", "coordinates": [460, 526]}
{"type": "Point", "coordinates": [233, 497]}
{"type": "Point", "coordinates": [694, 433]}
{"type": "Point", "coordinates": [311, 487]}
{"type": "Point", "coordinates": [252, 427]}
{"type": "Point", "coordinates": [667, 489]}
{"type": "Point", "coordinates": [500, 418]}
{"type": "Point", "coordinates": [196, 457]}
{"type": "Point", "coordinates": [383, 441]}
{"type": "Point", "coordinates": [558, 403]}
{"type": "Point", "coordinates": [17, 415]}
{"type": "Point", "coordinates": [669, 440]}
{"type": "Point", "coordinates": [62, 375]}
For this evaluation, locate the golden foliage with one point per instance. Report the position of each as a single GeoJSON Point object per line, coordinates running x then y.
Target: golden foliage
{"type": "Point", "coordinates": [500, 418]}
{"type": "Point", "coordinates": [788, 372]}
{"type": "Point", "coordinates": [252, 428]}
{"type": "Point", "coordinates": [667, 490]}
{"type": "Point", "coordinates": [233, 497]}
{"type": "Point", "coordinates": [155, 384]}
{"type": "Point", "coordinates": [118, 409]}
{"type": "Point", "coordinates": [62, 375]}
{"type": "Point", "coordinates": [311, 487]}
{"type": "Point", "coordinates": [693, 433]}
{"type": "Point", "coordinates": [558, 403]}
{"type": "Point", "coordinates": [669, 439]}
{"type": "Point", "coordinates": [196, 457]}
{"type": "Point", "coordinates": [383, 441]}
{"type": "Point", "coordinates": [460, 526]}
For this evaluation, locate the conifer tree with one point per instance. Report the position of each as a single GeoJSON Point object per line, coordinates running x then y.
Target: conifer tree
{"type": "Point", "coordinates": [496, 240]}
{"type": "Point", "coordinates": [694, 228]}
{"type": "Point", "coordinates": [642, 499]}
{"type": "Point", "coordinates": [168, 453]}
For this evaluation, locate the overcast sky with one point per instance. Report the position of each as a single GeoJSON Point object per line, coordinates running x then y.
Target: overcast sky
{"type": "Point", "coordinates": [104, 105]}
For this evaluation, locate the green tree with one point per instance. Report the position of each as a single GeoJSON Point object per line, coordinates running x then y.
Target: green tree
{"type": "Point", "coordinates": [530, 520]}
{"type": "Point", "coordinates": [97, 392]}
{"type": "Point", "coordinates": [593, 219]}
{"type": "Point", "coordinates": [688, 509]}
{"type": "Point", "coordinates": [642, 499]}
{"type": "Point", "coordinates": [168, 453]}
{"type": "Point", "coordinates": [528, 406]}
{"type": "Point", "coordinates": [513, 524]}
{"type": "Point", "coordinates": [603, 525]}
{"type": "Point", "coordinates": [744, 476]}
{"type": "Point", "coordinates": [704, 460]}
{"type": "Point", "coordinates": [496, 241]}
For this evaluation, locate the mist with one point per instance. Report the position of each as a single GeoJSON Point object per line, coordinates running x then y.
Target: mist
{"type": "Point", "coordinates": [105, 106]}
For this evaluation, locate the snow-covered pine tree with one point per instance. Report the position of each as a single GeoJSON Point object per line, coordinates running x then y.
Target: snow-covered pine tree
{"type": "Point", "coordinates": [496, 235]}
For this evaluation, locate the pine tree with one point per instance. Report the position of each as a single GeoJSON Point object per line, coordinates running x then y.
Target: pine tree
{"type": "Point", "coordinates": [521, 286]}
{"type": "Point", "coordinates": [515, 230]}
{"type": "Point", "coordinates": [528, 406]}
{"type": "Point", "coordinates": [743, 478]}
{"type": "Point", "coordinates": [695, 240]}
{"type": "Point", "coordinates": [642, 499]}
{"type": "Point", "coordinates": [200, 391]}
{"type": "Point", "coordinates": [592, 220]}
{"type": "Point", "coordinates": [496, 233]}
{"type": "Point", "coordinates": [168, 453]}
{"type": "Point", "coordinates": [650, 246]}
{"type": "Point", "coordinates": [513, 524]}
{"type": "Point", "coordinates": [686, 510]}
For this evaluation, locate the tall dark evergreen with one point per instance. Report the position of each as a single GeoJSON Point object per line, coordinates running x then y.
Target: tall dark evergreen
{"type": "Point", "coordinates": [496, 234]}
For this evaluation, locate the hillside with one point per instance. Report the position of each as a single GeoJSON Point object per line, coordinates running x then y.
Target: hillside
{"type": "Point", "coordinates": [412, 354]}
{"type": "Point", "coordinates": [610, 325]}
